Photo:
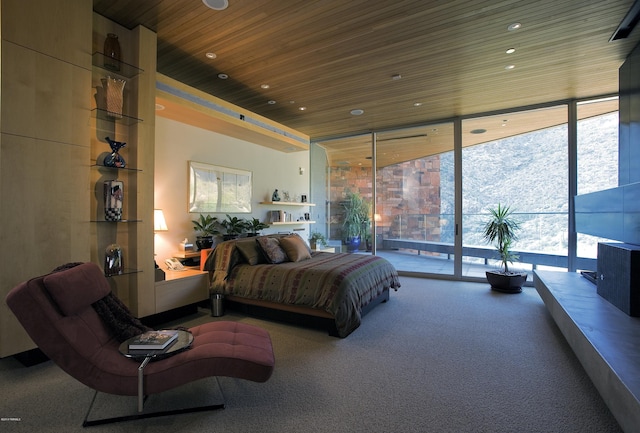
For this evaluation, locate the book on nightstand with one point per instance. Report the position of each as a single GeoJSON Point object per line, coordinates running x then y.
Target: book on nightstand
{"type": "Point", "coordinates": [154, 340]}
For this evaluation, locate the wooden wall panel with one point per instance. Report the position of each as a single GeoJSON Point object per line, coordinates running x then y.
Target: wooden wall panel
{"type": "Point", "coordinates": [43, 145]}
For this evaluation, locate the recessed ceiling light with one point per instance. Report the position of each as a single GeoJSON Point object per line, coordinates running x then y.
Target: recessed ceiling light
{"type": "Point", "coordinates": [514, 26]}
{"type": "Point", "coordinates": [223, 76]}
{"type": "Point", "coordinates": [264, 86]}
{"type": "Point", "coordinates": [478, 131]}
{"type": "Point", "coordinates": [509, 67]}
{"type": "Point", "coordinates": [159, 107]}
{"type": "Point", "coordinates": [218, 5]}
{"type": "Point", "coordinates": [511, 51]}
{"type": "Point", "coordinates": [271, 102]}
{"type": "Point", "coordinates": [357, 112]}
{"type": "Point", "coordinates": [302, 108]}
{"type": "Point", "coordinates": [211, 55]}
{"type": "Point", "coordinates": [396, 76]}
{"type": "Point", "coordinates": [417, 104]}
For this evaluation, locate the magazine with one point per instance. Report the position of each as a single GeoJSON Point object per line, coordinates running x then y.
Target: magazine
{"type": "Point", "coordinates": [154, 340]}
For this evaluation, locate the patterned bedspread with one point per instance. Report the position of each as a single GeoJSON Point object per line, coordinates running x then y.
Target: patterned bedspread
{"type": "Point", "coordinates": [340, 284]}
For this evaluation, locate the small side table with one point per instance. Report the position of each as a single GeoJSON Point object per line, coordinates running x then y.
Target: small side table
{"type": "Point", "coordinates": [183, 342]}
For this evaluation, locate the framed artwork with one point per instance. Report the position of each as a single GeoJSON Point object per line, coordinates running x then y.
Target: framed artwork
{"type": "Point", "coordinates": [219, 189]}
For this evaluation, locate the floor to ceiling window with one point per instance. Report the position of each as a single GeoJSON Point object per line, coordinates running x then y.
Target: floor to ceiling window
{"type": "Point", "coordinates": [415, 198]}
{"type": "Point", "coordinates": [504, 162]}
{"type": "Point", "coordinates": [597, 157]}
{"type": "Point", "coordinates": [408, 180]}
{"type": "Point", "coordinates": [413, 218]}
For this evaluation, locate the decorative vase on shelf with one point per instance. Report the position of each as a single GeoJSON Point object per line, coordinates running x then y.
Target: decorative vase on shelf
{"type": "Point", "coordinates": [112, 52]}
{"type": "Point", "coordinates": [113, 260]}
{"type": "Point", "coordinates": [114, 95]}
{"type": "Point", "coordinates": [113, 199]}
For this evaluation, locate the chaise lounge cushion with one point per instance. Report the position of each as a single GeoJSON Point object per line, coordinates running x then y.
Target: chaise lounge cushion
{"type": "Point", "coordinates": [63, 288]}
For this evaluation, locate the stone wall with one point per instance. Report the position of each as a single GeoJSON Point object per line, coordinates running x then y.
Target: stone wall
{"type": "Point", "coordinates": [408, 198]}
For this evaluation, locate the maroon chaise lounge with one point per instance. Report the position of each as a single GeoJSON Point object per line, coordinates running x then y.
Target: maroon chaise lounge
{"type": "Point", "coordinates": [56, 311]}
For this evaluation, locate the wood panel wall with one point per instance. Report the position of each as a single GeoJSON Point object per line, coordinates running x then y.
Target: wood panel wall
{"type": "Point", "coordinates": [44, 145]}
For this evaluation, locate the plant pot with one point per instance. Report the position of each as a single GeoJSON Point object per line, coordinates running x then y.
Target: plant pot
{"type": "Point", "coordinates": [353, 244]}
{"type": "Point", "coordinates": [204, 242]}
{"type": "Point", "coordinates": [511, 282]}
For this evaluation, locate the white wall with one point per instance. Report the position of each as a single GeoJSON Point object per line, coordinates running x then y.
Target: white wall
{"type": "Point", "coordinates": [177, 143]}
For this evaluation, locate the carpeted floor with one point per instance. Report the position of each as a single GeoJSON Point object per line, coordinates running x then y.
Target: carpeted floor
{"type": "Point", "coordinates": [440, 356]}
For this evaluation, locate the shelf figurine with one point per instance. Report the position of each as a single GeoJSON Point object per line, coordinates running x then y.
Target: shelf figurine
{"type": "Point", "coordinates": [115, 159]}
{"type": "Point", "coordinates": [275, 196]}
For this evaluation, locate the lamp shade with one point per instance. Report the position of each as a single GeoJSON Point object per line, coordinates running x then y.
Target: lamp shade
{"type": "Point", "coordinates": [159, 223]}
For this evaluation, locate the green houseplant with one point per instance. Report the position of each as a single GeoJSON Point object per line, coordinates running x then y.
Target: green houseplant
{"type": "Point", "coordinates": [501, 230]}
{"type": "Point", "coordinates": [317, 238]}
{"type": "Point", "coordinates": [356, 220]}
{"type": "Point", "coordinates": [254, 226]}
{"type": "Point", "coordinates": [206, 227]}
{"type": "Point", "coordinates": [233, 227]}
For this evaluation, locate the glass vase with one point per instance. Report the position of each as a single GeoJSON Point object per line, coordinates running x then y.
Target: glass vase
{"type": "Point", "coordinates": [112, 52]}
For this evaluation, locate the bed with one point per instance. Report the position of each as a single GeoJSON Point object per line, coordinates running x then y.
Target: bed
{"type": "Point", "coordinates": [279, 277]}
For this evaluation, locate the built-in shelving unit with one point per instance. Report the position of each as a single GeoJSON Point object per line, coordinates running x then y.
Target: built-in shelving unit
{"type": "Point", "coordinates": [117, 126]}
{"type": "Point", "coordinates": [133, 125]}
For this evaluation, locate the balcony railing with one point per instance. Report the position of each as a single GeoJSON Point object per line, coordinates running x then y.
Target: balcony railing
{"type": "Point", "coordinates": [435, 234]}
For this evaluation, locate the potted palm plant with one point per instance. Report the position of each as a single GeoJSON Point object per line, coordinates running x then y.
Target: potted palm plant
{"type": "Point", "coordinates": [501, 230]}
{"type": "Point", "coordinates": [356, 220]}
{"type": "Point", "coordinates": [206, 227]}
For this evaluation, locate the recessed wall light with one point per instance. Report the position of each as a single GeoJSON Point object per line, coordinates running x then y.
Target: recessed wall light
{"type": "Point", "coordinates": [223, 76]}
{"type": "Point", "coordinates": [514, 26]}
{"type": "Point", "coordinates": [211, 55]}
{"type": "Point", "coordinates": [511, 51]}
{"type": "Point", "coordinates": [218, 5]}
{"type": "Point", "coordinates": [357, 112]}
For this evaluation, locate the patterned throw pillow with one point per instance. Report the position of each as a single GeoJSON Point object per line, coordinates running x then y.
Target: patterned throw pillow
{"type": "Point", "coordinates": [272, 250]}
{"type": "Point", "coordinates": [295, 248]}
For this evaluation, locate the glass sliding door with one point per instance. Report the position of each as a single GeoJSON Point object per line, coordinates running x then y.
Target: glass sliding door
{"type": "Point", "coordinates": [348, 181]}
{"type": "Point", "coordinates": [505, 162]}
{"type": "Point", "coordinates": [413, 223]}
{"type": "Point", "coordinates": [415, 199]}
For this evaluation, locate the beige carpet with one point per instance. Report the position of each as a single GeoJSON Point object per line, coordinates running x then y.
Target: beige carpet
{"type": "Point", "coordinates": [440, 356]}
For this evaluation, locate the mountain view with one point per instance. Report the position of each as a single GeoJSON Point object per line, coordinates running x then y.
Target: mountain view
{"type": "Point", "coordinates": [529, 173]}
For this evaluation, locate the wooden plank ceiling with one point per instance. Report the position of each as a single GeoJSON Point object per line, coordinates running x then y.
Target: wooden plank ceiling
{"type": "Point", "coordinates": [405, 63]}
